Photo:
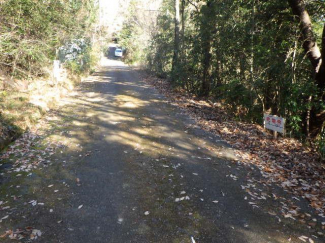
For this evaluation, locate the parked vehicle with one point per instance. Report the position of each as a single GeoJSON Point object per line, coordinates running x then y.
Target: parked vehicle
{"type": "Point", "coordinates": [118, 52]}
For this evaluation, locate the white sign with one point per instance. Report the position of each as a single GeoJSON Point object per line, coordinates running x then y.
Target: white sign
{"type": "Point", "coordinates": [274, 123]}
{"type": "Point", "coordinates": [56, 70]}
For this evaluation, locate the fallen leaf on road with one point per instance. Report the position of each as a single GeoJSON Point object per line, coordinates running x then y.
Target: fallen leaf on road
{"type": "Point", "coordinates": [5, 217]}
{"type": "Point", "coordinates": [35, 234]}
{"type": "Point", "coordinates": [303, 238]}
{"type": "Point", "coordinates": [8, 232]}
{"type": "Point", "coordinates": [280, 161]}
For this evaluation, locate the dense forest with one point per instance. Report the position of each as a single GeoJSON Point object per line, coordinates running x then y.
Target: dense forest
{"type": "Point", "coordinates": [254, 56]}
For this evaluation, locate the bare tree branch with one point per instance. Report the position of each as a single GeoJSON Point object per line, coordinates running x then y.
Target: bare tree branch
{"type": "Point", "coordinates": [196, 7]}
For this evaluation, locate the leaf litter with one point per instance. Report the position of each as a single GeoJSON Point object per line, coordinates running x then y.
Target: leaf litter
{"type": "Point", "coordinates": [32, 150]}
{"type": "Point", "coordinates": [284, 162]}
{"type": "Point", "coordinates": [28, 233]}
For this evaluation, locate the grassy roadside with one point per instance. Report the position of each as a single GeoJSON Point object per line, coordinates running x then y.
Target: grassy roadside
{"type": "Point", "coordinates": [25, 102]}
{"type": "Point", "coordinates": [21, 110]}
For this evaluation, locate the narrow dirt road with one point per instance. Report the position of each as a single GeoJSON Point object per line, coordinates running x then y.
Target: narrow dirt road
{"type": "Point", "coordinates": [134, 169]}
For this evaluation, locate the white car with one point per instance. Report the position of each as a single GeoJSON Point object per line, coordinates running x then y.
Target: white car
{"type": "Point", "coordinates": [118, 52]}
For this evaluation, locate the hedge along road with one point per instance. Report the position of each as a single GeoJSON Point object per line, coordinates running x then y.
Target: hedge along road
{"type": "Point", "coordinates": [135, 169]}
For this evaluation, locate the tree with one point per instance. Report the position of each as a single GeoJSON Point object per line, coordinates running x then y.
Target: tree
{"type": "Point", "coordinates": [317, 60]}
{"type": "Point", "coordinates": [207, 29]}
{"type": "Point", "coordinates": [248, 55]}
{"type": "Point", "coordinates": [32, 31]}
{"type": "Point", "coordinates": [176, 41]}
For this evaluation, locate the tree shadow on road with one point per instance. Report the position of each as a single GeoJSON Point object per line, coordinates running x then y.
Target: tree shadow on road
{"type": "Point", "coordinates": [134, 153]}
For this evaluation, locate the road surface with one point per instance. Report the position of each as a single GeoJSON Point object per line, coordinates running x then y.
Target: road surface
{"type": "Point", "coordinates": [135, 169]}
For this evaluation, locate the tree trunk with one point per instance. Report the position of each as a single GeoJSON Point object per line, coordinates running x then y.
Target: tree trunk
{"type": "Point", "coordinates": [207, 29]}
{"type": "Point", "coordinates": [206, 86]}
{"type": "Point", "coordinates": [176, 40]}
{"type": "Point", "coordinates": [183, 21]}
{"type": "Point", "coordinates": [309, 44]}
{"type": "Point", "coordinates": [315, 56]}
{"type": "Point", "coordinates": [320, 76]}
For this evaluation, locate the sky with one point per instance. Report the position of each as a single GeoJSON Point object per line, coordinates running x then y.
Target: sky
{"type": "Point", "coordinates": [112, 11]}
{"type": "Point", "coordinates": [109, 9]}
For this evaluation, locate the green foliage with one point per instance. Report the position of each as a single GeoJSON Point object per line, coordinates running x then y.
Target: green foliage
{"type": "Point", "coordinates": [249, 51]}
{"type": "Point", "coordinates": [131, 36]}
{"type": "Point", "coordinates": [85, 61]}
{"type": "Point", "coordinates": [320, 142]}
{"type": "Point", "coordinates": [237, 95]}
{"type": "Point", "coordinates": [31, 32]}
{"type": "Point", "coordinates": [160, 50]}
{"type": "Point", "coordinates": [74, 66]}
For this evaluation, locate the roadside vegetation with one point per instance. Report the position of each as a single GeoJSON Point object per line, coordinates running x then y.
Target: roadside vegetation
{"type": "Point", "coordinates": [226, 63]}
{"type": "Point", "coordinates": [253, 57]}
{"type": "Point", "coordinates": [32, 35]}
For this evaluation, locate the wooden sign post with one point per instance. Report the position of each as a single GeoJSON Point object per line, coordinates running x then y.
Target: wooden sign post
{"type": "Point", "coordinates": [274, 123]}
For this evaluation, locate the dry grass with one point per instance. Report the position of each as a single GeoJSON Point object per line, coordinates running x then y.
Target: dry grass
{"type": "Point", "coordinates": [20, 110]}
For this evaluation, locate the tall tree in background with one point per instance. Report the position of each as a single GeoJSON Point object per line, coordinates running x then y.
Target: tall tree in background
{"type": "Point", "coordinates": [207, 29]}
{"type": "Point", "coordinates": [317, 60]}
{"type": "Point", "coordinates": [247, 55]}
{"type": "Point", "coordinates": [176, 40]}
